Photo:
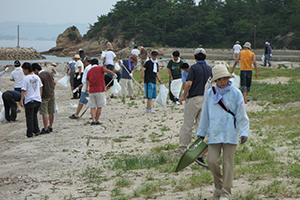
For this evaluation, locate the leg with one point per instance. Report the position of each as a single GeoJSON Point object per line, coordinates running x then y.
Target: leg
{"type": "Point", "coordinates": [123, 87]}
{"type": "Point", "coordinates": [149, 103]}
{"type": "Point", "coordinates": [98, 113]}
{"type": "Point", "coordinates": [93, 113]}
{"type": "Point", "coordinates": [45, 121]}
{"type": "Point", "coordinates": [78, 109]}
{"type": "Point", "coordinates": [36, 128]}
{"type": "Point", "coordinates": [29, 110]}
{"type": "Point", "coordinates": [214, 153]}
{"type": "Point", "coordinates": [228, 166]}
{"type": "Point", "coordinates": [245, 97]}
{"type": "Point", "coordinates": [130, 88]}
{"type": "Point", "coordinates": [51, 120]}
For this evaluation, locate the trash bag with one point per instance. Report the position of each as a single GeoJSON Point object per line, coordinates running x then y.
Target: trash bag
{"type": "Point", "coordinates": [2, 116]}
{"type": "Point", "coordinates": [263, 58]}
{"type": "Point", "coordinates": [176, 87]}
{"type": "Point", "coordinates": [1, 100]}
{"type": "Point", "coordinates": [64, 81]}
{"type": "Point", "coordinates": [161, 98]}
{"type": "Point", "coordinates": [116, 87]}
{"type": "Point", "coordinates": [117, 66]}
{"type": "Point", "coordinates": [236, 81]}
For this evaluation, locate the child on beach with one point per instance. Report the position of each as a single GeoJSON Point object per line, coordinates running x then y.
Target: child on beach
{"type": "Point", "coordinates": [223, 128]}
{"type": "Point", "coordinates": [151, 72]}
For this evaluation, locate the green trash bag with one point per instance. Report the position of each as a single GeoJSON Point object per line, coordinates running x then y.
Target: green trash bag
{"type": "Point", "coordinates": [191, 154]}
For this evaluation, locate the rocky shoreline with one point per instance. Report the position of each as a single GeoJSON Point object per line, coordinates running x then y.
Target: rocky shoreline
{"type": "Point", "coordinates": [18, 53]}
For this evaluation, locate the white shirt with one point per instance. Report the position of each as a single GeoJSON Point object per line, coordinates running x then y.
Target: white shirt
{"type": "Point", "coordinates": [87, 69]}
{"type": "Point", "coordinates": [17, 75]}
{"type": "Point", "coordinates": [109, 58]}
{"type": "Point", "coordinates": [79, 64]}
{"type": "Point", "coordinates": [237, 48]}
{"type": "Point", "coordinates": [32, 84]}
{"type": "Point", "coordinates": [135, 52]}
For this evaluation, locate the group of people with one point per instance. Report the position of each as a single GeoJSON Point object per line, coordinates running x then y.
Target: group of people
{"type": "Point", "coordinates": [218, 111]}
{"type": "Point", "coordinates": [33, 90]}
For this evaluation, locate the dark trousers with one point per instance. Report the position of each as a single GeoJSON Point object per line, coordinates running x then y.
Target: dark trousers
{"type": "Point", "coordinates": [10, 106]}
{"type": "Point", "coordinates": [31, 110]}
{"type": "Point", "coordinates": [77, 82]}
{"type": "Point", "coordinates": [172, 97]}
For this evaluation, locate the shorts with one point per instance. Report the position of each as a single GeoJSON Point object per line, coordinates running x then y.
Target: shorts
{"type": "Point", "coordinates": [97, 100]}
{"type": "Point", "coordinates": [47, 106]}
{"type": "Point", "coordinates": [246, 77]}
{"type": "Point", "coordinates": [150, 90]}
{"type": "Point", "coordinates": [83, 98]}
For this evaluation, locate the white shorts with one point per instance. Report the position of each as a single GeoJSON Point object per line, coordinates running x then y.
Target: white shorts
{"type": "Point", "coordinates": [97, 100]}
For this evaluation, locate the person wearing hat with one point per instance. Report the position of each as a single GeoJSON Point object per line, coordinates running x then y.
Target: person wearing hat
{"type": "Point", "coordinates": [151, 71]}
{"type": "Point", "coordinates": [223, 128]}
{"type": "Point", "coordinates": [84, 94]}
{"type": "Point", "coordinates": [136, 51]}
{"type": "Point", "coordinates": [17, 76]}
{"type": "Point", "coordinates": [268, 54]}
{"type": "Point", "coordinates": [71, 73]}
{"type": "Point", "coordinates": [193, 95]}
{"type": "Point", "coordinates": [236, 49]}
{"type": "Point", "coordinates": [52, 69]}
{"type": "Point", "coordinates": [247, 57]}
{"type": "Point", "coordinates": [79, 68]}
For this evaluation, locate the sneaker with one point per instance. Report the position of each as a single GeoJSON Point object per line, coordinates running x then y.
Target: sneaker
{"type": "Point", "coordinates": [73, 116]}
{"type": "Point", "coordinates": [217, 193]}
{"type": "Point", "coordinates": [98, 123]}
{"type": "Point", "coordinates": [44, 131]}
{"type": "Point", "coordinates": [50, 129]}
{"type": "Point", "coordinates": [151, 111]}
{"type": "Point", "coordinates": [201, 162]}
{"type": "Point", "coordinates": [177, 103]}
{"type": "Point", "coordinates": [132, 98]}
{"type": "Point", "coordinates": [180, 150]}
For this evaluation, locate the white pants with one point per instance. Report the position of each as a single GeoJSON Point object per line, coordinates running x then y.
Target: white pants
{"type": "Point", "coordinates": [126, 83]}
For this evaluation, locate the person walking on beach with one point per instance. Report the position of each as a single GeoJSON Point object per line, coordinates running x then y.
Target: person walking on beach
{"type": "Point", "coordinates": [17, 76]}
{"type": "Point", "coordinates": [236, 49]}
{"type": "Point", "coordinates": [47, 108]}
{"type": "Point", "coordinates": [84, 94]}
{"type": "Point", "coordinates": [79, 68]}
{"type": "Point", "coordinates": [71, 69]}
{"type": "Point", "coordinates": [174, 68]}
{"type": "Point", "coordinates": [247, 57]}
{"type": "Point", "coordinates": [268, 54]}
{"type": "Point", "coordinates": [96, 89]}
{"type": "Point", "coordinates": [193, 95]}
{"type": "Point", "coordinates": [31, 98]}
{"type": "Point", "coordinates": [223, 129]}
{"type": "Point", "coordinates": [10, 99]}
{"type": "Point", "coordinates": [127, 74]}
{"type": "Point", "coordinates": [151, 70]}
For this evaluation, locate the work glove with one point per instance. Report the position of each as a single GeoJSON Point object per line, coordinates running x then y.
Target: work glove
{"type": "Point", "coordinates": [78, 77]}
{"type": "Point", "coordinates": [115, 76]}
{"type": "Point", "coordinates": [270, 55]}
{"type": "Point", "coordinates": [244, 139]}
{"type": "Point", "coordinates": [131, 75]}
{"type": "Point", "coordinates": [121, 62]}
{"type": "Point", "coordinates": [6, 69]}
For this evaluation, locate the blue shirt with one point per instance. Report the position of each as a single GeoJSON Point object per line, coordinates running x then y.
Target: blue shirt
{"type": "Point", "coordinates": [16, 94]}
{"type": "Point", "coordinates": [129, 66]}
{"type": "Point", "coordinates": [184, 75]}
{"type": "Point", "coordinates": [219, 124]}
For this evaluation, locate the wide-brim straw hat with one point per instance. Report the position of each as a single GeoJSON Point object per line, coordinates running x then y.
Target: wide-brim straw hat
{"type": "Point", "coordinates": [76, 56]}
{"type": "Point", "coordinates": [247, 45]}
{"type": "Point", "coordinates": [220, 71]}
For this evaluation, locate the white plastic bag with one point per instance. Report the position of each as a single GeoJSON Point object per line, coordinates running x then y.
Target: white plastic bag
{"type": "Point", "coordinates": [263, 58]}
{"type": "Point", "coordinates": [116, 87]}
{"type": "Point", "coordinates": [236, 81]}
{"type": "Point", "coordinates": [64, 81]}
{"type": "Point", "coordinates": [1, 100]}
{"type": "Point", "coordinates": [176, 87]}
{"type": "Point", "coordinates": [55, 111]}
{"type": "Point", "coordinates": [117, 66]}
{"type": "Point", "coordinates": [2, 116]}
{"type": "Point", "coordinates": [162, 95]}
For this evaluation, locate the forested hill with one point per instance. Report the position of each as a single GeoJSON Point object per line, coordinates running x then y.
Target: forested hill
{"type": "Point", "coordinates": [210, 23]}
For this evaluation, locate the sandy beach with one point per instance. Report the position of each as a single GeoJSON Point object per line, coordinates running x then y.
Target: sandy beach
{"type": "Point", "coordinates": [51, 166]}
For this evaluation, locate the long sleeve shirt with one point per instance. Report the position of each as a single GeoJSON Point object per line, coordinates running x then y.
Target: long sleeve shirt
{"type": "Point", "coordinates": [219, 124]}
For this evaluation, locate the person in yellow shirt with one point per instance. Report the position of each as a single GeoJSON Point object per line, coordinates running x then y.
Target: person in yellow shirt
{"type": "Point", "coordinates": [247, 57]}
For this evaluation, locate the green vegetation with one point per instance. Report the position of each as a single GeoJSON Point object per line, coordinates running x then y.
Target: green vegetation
{"type": "Point", "coordinates": [211, 23]}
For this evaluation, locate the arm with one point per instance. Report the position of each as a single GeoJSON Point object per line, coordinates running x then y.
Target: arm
{"type": "Point", "coordinates": [68, 69]}
{"type": "Point", "coordinates": [105, 70]}
{"type": "Point", "coordinates": [235, 63]}
{"type": "Point", "coordinates": [186, 91]}
{"type": "Point", "coordinates": [142, 74]}
{"type": "Point", "coordinates": [23, 92]}
{"type": "Point", "coordinates": [255, 66]}
{"type": "Point", "coordinates": [157, 75]}
{"type": "Point", "coordinates": [104, 60]}
{"type": "Point", "coordinates": [79, 71]}
{"type": "Point", "coordinates": [87, 86]}
{"type": "Point", "coordinates": [41, 91]}
{"type": "Point", "coordinates": [54, 82]}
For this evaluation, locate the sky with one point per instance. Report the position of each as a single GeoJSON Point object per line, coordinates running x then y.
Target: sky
{"type": "Point", "coordinates": [54, 11]}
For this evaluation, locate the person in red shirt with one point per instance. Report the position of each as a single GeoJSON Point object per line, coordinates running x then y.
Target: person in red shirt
{"type": "Point", "coordinates": [96, 89]}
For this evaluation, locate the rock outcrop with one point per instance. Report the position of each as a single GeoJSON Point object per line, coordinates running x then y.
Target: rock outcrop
{"type": "Point", "coordinates": [18, 53]}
